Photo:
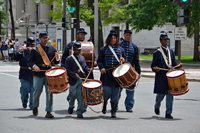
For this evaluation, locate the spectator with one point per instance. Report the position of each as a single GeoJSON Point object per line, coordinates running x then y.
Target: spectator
{"type": "Point", "coordinates": [16, 47]}
{"type": "Point", "coordinates": [5, 50]}
{"type": "Point", "coordinates": [54, 43]}
{"type": "Point", "coordinates": [11, 50]}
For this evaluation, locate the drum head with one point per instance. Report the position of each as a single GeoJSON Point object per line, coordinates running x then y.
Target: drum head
{"type": "Point", "coordinates": [175, 73]}
{"type": "Point", "coordinates": [55, 72]}
{"type": "Point", "coordinates": [91, 84]}
{"type": "Point", "coordinates": [121, 69]}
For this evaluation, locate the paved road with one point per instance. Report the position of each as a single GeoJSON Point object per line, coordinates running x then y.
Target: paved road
{"type": "Point", "coordinates": [15, 119]}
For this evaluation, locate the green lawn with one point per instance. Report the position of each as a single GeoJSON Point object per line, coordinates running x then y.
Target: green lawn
{"type": "Point", "coordinates": [184, 59]}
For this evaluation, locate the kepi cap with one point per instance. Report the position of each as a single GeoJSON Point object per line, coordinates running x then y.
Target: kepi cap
{"type": "Point", "coordinates": [43, 34]}
{"type": "Point", "coordinates": [127, 31]}
{"type": "Point", "coordinates": [163, 36]}
{"type": "Point", "coordinates": [112, 32]}
{"type": "Point", "coordinates": [81, 30]}
{"type": "Point", "coordinates": [77, 45]}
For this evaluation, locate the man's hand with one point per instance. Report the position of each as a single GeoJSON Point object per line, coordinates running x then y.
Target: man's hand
{"type": "Point", "coordinates": [95, 64]}
{"type": "Point", "coordinates": [36, 68]}
{"type": "Point", "coordinates": [90, 70]}
{"type": "Point", "coordinates": [179, 65]}
{"type": "Point", "coordinates": [22, 49]}
{"type": "Point", "coordinates": [57, 55]}
{"type": "Point", "coordinates": [78, 77]}
{"type": "Point", "coordinates": [157, 69]}
{"type": "Point", "coordinates": [122, 60]}
{"type": "Point", "coordinates": [103, 70]}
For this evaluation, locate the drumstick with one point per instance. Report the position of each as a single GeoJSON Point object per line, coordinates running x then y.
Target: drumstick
{"type": "Point", "coordinates": [162, 69]}
{"type": "Point", "coordinates": [109, 69]}
{"type": "Point", "coordinates": [87, 76]}
{"type": "Point", "coordinates": [40, 70]}
{"type": "Point", "coordinates": [54, 57]}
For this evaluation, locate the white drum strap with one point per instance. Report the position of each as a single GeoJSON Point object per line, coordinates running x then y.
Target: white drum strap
{"type": "Point", "coordinates": [72, 48]}
{"type": "Point", "coordinates": [165, 57]}
{"type": "Point", "coordinates": [78, 64]}
{"type": "Point", "coordinates": [111, 49]}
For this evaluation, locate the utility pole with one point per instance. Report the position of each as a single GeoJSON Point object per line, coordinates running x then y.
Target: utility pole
{"type": "Point", "coordinates": [96, 25]}
{"type": "Point", "coordinates": [64, 29]}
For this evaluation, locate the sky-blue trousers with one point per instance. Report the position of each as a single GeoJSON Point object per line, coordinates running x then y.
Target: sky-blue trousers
{"type": "Point", "coordinates": [169, 102]}
{"type": "Point", "coordinates": [129, 101]}
{"type": "Point", "coordinates": [38, 83]}
{"type": "Point", "coordinates": [25, 89]}
{"type": "Point", "coordinates": [75, 92]}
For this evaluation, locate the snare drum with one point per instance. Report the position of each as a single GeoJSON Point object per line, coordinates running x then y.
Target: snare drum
{"type": "Point", "coordinates": [177, 82]}
{"type": "Point", "coordinates": [125, 75]}
{"type": "Point", "coordinates": [57, 80]}
{"type": "Point", "coordinates": [92, 92]}
{"type": "Point", "coordinates": [88, 52]}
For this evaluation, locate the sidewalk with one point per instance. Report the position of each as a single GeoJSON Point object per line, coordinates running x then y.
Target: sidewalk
{"type": "Point", "coordinates": [192, 72]}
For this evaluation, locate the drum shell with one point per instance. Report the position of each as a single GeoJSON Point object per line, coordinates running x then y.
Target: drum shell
{"type": "Point", "coordinates": [88, 98]}
{"type": "Point", "coordinates": [178, 84]}
{"type": "Point", "coordinates": [127, 80]}
{"type": "Point", "coordinates": [58, 83]}
{"type": "Point", "coordinates": [88, 52]}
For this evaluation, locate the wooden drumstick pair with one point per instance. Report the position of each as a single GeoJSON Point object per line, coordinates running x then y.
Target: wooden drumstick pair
{"type": "Point", "coordinates": [166, 69]}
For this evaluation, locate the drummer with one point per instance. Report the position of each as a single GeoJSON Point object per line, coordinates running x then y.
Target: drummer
{"type": "Point", "coordinates": [164, 57]}
{"type": "Point", "coordinates": [76, 69]}
{"type": "Point", "coordinates": [132, 57]}
{"type": "Point", "coordinates": [25, 75]}
{"type": "Point", "coordinates": [80, 36]}
{"type": "Point", "coordinates": [37, 63]}
{"type": "Point", "coordinates": [109, 57]}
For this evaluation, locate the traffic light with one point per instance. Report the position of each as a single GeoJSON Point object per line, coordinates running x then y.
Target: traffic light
{"type": "Point", "coordinates": [185, 2]}
{"type": "Point", "coordinates": [183, 16]}
{"type": "Point", "coordinates": [180, 2]}
{"type": "Point", "coordinates": [65, 22]}
{"type": "Point", "coordinates": [73, 22]}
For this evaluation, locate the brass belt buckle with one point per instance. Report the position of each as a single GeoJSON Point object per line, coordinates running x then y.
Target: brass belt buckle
{"type": "Point", "coordinates": [43, 65]}
{"type": "Point", "coordinates": [79, 70]}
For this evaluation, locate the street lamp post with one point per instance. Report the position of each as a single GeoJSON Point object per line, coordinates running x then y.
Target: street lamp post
{"type": "Point", "coordinates": [27, 27]}
{"type": "Point", "coordinates": [47, 24]}
{"type": "Point", "coordinates": [0, 21]}
{"type": "Point", "coordinates": [37, 4]}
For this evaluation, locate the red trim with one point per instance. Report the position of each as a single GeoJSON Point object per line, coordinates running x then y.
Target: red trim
{"type": "Point", "coordinates": [89, 81]}
{"type": "Point", "coordinates": [56, 92]}
{"type": "Point", "coordinates": [93, 103]}
{"type": "Point", "coordinates": [175, 76]}
{"type": "Point", "coordinates": [178, 94]}
{"type": "Point", "coordinates": [54, 69]}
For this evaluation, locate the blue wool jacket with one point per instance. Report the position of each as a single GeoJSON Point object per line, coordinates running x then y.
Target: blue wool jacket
{"type": "Point", "coordinates": [131, 51]}
{"type": "Point", "coordinates": [72, 68]}
{"type": "Point", "coordinates": [161, 83]}
{"type": "Point", "coordinates": [24, 72]}
{"type": "Point", "coordinates": [107, 60]}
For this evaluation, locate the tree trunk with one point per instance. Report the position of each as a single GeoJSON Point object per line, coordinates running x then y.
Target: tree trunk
{"type": "Point", "coordinates": [196, 42]}
{"type": "Point", "coordinates": [100, 34]}
{"type": "Point", "coordinates": [90, 5]}
{"type": "Point", "coordinates": [12, 21]}
{"type": "Point", "coordinates": [77, 5]}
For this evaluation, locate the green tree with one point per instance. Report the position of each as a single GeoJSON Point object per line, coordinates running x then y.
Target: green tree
{"type": "Point", "coordinates": [145, 14]}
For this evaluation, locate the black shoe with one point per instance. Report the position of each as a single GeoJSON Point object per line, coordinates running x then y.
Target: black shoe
{"type": "Point", "coordinates": [168, 116]}
{"type": "Point", "coordinates": [35, 111]}
{"type": "Point", "coordinates": [157, 111]}
{"type": "Point", "coordinates": [49, 115]}
{"type": "Point", "coordinates": [70, 110]}
{"type": "Point", "coordinates": [104, 107]}
{"type": "Point", "coordinates": [113, 114]}
{"type": "Point", "coordinates": [24, 105]}
{"type": "Point", "coordinates": [79, 116]}
{"type": "Point", "coordinates": [129, 110]}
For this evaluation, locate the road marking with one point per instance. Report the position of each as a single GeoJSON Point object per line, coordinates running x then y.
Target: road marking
{"type": "Point", "coordinates": [9, 75]}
